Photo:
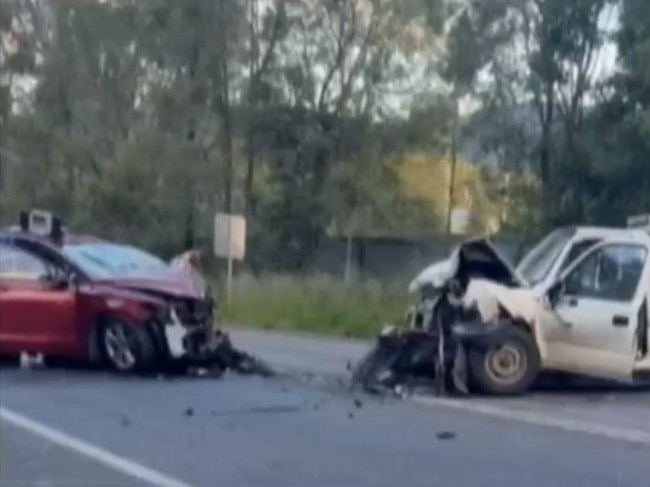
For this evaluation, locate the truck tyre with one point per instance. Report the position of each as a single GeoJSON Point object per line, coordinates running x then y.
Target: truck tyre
{"type": "Point", "coordinates": [126, 349]}
{"type": "Point", "coordinates": [508, 367]}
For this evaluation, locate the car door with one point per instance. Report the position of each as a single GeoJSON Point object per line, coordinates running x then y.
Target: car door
{"type": "Point", "coordinates": [592, 326]}
{"type": "Point", "coordinates": [36, 314]}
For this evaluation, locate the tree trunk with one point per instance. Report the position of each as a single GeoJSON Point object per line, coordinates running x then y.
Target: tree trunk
{"type": "Point", "coordinates": [252, 93]}
{"type": "Point", "coordinates": [224, 105]}
{"type": "Point", "coordinates": [454, 161]}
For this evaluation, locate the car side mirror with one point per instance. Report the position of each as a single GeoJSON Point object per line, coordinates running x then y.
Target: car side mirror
{"type": "Point", "coordinates": [555, 292]}
{"type": "Point", "coordinates": [57, 280]}
{"type": "Point", "coordinates": [74, 279]}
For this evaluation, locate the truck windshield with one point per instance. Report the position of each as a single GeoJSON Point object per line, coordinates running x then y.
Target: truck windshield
{"type": "Point", "coordinates": [104, 260]}
{"type": "Point", "coordinates": [536, 265]}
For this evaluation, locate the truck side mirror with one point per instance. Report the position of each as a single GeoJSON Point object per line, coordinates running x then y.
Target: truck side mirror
{"type": "Point", "coordinates": [555, 292]}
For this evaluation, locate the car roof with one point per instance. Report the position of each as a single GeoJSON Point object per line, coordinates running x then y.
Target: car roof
{"type": "Point", "coordinates": [13, 236]}
{"type": "Point", "coordinates": [603, 232]}
{"type": "Point", "coordinates": [6, 236]}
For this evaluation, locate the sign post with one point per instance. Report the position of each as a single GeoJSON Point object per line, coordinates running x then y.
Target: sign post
{"type": "Point", "coordinates": [459, 221]}
{"type": "Point", "coordinates": [229, 242]}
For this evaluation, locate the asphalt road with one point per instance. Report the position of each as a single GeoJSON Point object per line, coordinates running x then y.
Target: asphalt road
{"type": "Point", "coordinates": [72, 428]}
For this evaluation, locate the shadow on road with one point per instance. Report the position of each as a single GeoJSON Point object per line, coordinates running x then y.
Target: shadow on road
{"type": "Point", "coordinates": [580, 385]}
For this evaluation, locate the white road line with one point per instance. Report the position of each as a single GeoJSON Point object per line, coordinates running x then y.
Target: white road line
{"type": "Point", "coordinates": [93, 452]}
{"type": "Point", "coordinates": [573, 426]}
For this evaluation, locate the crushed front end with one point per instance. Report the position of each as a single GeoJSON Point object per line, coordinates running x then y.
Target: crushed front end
{"type": "Point", "coordinates": [193, 342]}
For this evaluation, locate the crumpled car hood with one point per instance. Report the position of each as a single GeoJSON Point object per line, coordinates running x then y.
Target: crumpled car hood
{"type": "Point", "coordinates": [174, 283]}
{"type": "Point", "coordinates": [473, 259]}
{"type": "Point", "coordinates": [523, 304]}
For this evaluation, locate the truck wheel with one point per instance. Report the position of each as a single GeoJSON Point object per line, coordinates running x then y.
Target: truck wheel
{"type": "Point", "coordinates": [507, 368]}
{"type": "Point", "coordinates": [125, 348]}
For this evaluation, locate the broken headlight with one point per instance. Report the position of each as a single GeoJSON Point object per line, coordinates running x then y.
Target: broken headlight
{"type": "Point", "coordinates": [193, 311]}
{"type": "Point", "coordinates": [161, 313]}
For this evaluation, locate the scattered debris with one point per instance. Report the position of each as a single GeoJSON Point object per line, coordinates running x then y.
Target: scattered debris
{"type": "Point", "coordinates": [350, 415]}
{"type": "Point", "coordinates": [124, 421]}
{"type": "Point", "coordinates": [189, 412]}
{"type": "Point", "coordinates": [348, 366]}
{"type": "Point", "coordinates": [358, 403]}
{"type": "Point", "coordinates": [446, 435]}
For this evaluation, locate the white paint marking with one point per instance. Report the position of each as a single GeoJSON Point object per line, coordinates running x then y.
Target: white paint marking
{"type": "Point", "coordinates": [573, 426]}
{"type": "Point", "coordinates": [98, 454]}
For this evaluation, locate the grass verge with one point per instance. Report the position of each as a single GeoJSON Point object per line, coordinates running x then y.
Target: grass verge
{"type": "Point", "coordinates": [317, 304]}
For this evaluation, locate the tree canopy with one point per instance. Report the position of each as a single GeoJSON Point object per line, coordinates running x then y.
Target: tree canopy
{"type": "Point", "coordinates": [138, 119]}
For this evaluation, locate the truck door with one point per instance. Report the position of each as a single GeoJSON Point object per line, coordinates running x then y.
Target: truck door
{"type": "Point", "coordinates": [594, 330]}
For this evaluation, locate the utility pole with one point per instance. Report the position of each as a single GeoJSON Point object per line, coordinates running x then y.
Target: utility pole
{"type": "Point", "coordinates": [454, 161]}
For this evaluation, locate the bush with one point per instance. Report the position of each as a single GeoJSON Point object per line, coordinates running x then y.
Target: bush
{"type": "Point", "coordinates": [318, 304]}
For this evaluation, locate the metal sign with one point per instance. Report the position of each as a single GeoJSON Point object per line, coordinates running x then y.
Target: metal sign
{"type": "Point", "coordinates": [639, 221]}
{"type": "Point", "coordinates": [229, 242]}
{"type": "Point", "coordinates": [460, 220]}
{"type": "Point", "coordinates": [229, 236]}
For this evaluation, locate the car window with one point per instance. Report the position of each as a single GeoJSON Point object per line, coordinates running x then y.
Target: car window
{"type": "Point", "coordinates": [577, 249]}
{"type": "Point", "coordinates": [537, 264]}
{"type": "Point", "coordinates": [103, 260]}
{"type": "Point", "coordinates": [18, 263]}
{"type": "Point", "coordinates": [612, 272]}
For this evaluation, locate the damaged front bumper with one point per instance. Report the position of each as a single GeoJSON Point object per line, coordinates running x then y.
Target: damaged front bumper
{"type": "Point", "coordinates": [199, 345]}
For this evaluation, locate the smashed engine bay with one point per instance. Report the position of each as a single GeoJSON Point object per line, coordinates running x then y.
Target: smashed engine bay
{"type": "Point", "coordinates": [469, 306]}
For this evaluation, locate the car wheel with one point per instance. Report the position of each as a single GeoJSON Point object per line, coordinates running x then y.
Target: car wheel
{"type": "Point", "coordinates": [125, 348]}
{"type": "Point", "coordinates": [507, 368]}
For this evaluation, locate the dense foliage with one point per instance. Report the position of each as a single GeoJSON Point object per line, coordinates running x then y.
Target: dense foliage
{"type": "Point", "coordinates": [138, 119]}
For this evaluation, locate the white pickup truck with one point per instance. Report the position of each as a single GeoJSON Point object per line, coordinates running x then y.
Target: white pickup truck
{"type": "Point", "coordinates": [580, 300]}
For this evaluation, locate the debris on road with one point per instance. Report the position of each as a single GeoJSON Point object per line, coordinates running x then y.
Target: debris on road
{"type": "Point", "coordinates": [446, 435]}
{"type": "Point", "coordinates": [189, 412]}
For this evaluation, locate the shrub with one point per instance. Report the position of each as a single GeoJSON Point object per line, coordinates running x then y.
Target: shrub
{"type": "Point", "coordinates": [320, 304]}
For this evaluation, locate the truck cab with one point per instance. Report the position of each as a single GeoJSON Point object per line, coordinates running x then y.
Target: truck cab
{"type": "Point", "coordinates": [595, 316]}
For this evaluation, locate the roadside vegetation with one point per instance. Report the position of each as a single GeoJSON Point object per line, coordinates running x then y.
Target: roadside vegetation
{"type": "Point", "coordinates": [322, 120]}
{"type": "Point", "coordinates": [317, 304]}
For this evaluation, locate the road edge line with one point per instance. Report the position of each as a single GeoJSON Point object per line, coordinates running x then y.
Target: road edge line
{"type": "Point", "coordinates": [100, 455]}
{"type": "Point", "coordinates": [569, 425]}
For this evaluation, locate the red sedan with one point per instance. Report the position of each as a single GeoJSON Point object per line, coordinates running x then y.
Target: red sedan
{"type": "Point", "coordinates": [99, 301]}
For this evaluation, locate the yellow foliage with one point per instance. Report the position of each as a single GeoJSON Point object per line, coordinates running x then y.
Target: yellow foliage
{"type": "Point", "coordinates": [488, 196]}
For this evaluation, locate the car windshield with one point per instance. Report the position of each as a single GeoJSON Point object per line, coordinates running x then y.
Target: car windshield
{"type": "Point", "coordinates": [536, 265]}
{"type": "Point", "coordinates": [102, 260]}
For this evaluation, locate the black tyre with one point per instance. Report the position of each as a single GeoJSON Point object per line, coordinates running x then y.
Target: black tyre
{"type": "Point", "coordinates": [125, 348]}
{"type": "Point", "coordinates": [506, 368]}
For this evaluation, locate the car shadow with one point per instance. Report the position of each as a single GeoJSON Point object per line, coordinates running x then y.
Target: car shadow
{"type": "Point", "coordinates": [582, 385]}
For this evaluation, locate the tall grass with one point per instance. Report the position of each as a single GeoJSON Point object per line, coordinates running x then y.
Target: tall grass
{"type": "Point", "coordinates": [319, 304]}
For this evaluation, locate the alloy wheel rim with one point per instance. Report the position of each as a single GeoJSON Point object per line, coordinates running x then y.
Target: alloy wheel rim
{"type": "Point", "coordinates": [118, 346]}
